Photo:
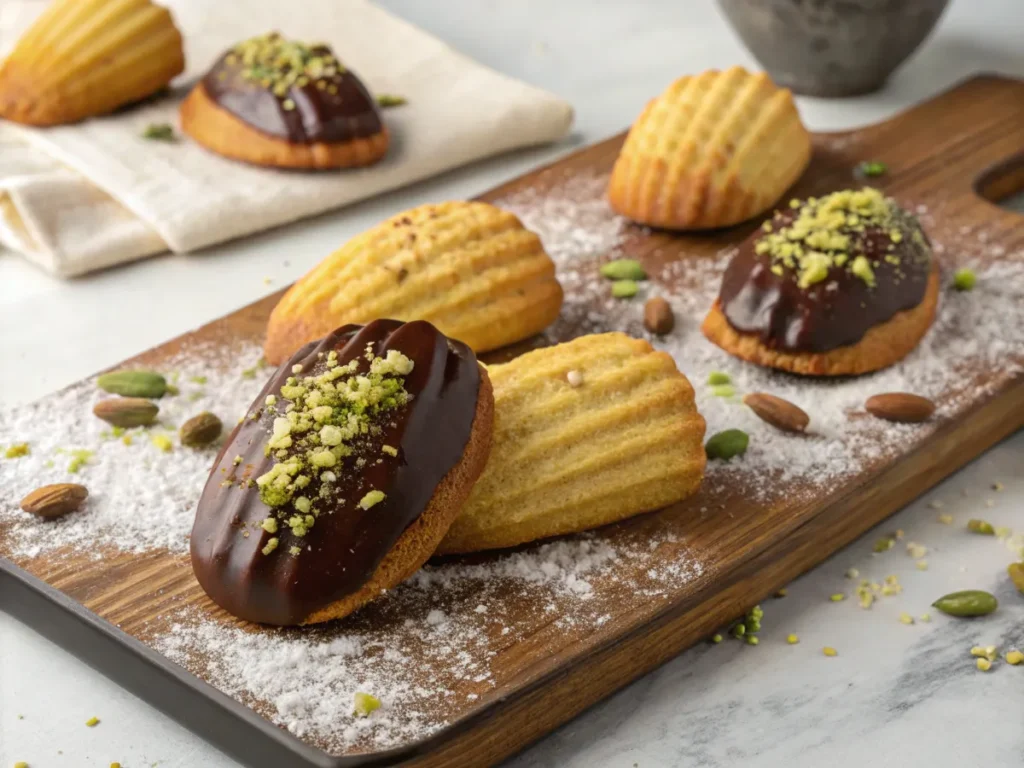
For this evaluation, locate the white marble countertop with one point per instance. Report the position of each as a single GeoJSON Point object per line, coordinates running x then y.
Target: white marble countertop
{"type": "Point", "coordinates": [895, 695]}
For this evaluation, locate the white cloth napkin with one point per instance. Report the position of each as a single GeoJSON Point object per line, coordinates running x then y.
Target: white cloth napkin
{"type": "Point", "coordinates": [78, 198]}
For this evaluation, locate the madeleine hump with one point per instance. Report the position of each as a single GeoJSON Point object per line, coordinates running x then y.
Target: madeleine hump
{"type": "Point", "coordinates": [344, 475]}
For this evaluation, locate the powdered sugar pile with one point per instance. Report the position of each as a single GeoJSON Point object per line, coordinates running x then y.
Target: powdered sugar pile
{"type": "Point", "coordinates": [140, 498]}
{"type": "Point", "coordinates": [982, 330]}
{"type": "Point", "coordinates": [427, 651]}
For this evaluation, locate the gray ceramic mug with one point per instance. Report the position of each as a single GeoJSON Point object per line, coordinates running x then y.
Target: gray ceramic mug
{"type": "Point", "coordinates": [832, 47]}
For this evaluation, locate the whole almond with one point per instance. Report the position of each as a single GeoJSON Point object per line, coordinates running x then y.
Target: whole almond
{"type": "Point", "coordinates": [900, 406]}
{"type": "Point", "coordinates": [777, 412]}
{"type": "Point", "coordinates": [658, 317]}
{"type": "Point", "coordinates": [54, 500]}
{"type": "Point", "coordinates": [126, 411]}
{"type": "Point", "coordinates": [200, 430]}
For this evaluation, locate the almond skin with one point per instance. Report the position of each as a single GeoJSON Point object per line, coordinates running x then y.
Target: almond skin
{"type": "Point", "coordinates": [777, 412]}
{"type": "Point", "coordinates": [54, 500]}
{"type": "Point", "coordinates": [658, 317]}
{"type": "Point", "coordinates": [900, 406]}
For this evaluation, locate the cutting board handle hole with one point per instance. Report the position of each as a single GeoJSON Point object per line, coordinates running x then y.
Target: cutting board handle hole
{"type": "Point", "coordinates": [1003, 184]}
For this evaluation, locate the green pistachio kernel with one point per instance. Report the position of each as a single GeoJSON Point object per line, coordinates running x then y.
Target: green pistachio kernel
{"type": "Point", "coordinates": [365, 704]}
{"type": "Point", "coordinates": [872, 168]}
{"type": "Point", "coordinates": [964, 279]}
{"type": "Point", "coordinates": [981, 526]}
{"type": "Point", "coordinates": [624, 289]}
{"type": "Point", "coordinates": [623, 269]}
{"type": "Point", "coordinates": [387, 100]}
{"type": "Point", "coordinates": [971, 602]}
{"type": "Point", "coordinates": [727, 444]}
{"type": "Point", "coordinates": [16, 451]}
{"type": "Point", "coordinates": [133, 384]}
{"type": "Point", "coordinates": [158, 132]}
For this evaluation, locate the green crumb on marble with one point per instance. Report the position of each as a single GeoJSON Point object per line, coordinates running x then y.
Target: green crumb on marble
{"type": "Point", "coordinates": [92, 722]}
{"type": "Point", "coordinates": [16, 451]}
{"type": "Point", "coordinates": [388, 100]}
{"type": "Point", "coordinates": [964, 279]}
{"type": "Point", "coordinates": [364, 704]}
{"type": "Point", "coordinates": [198, 379]}
{"type": "Point", "coordinates": [716, 378]}
{"type": "Point", "coordinates": [158, 132]}
{"type": "Point", "coordinates": [624, 289]}
{"type": "Point", "coordinates": [723, 390]}
{"type": "Point", "coordinates": [371, 498]}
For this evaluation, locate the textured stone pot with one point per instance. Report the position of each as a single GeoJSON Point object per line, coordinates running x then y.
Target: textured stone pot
{"type": "Point", "coordinates": [832, 47]}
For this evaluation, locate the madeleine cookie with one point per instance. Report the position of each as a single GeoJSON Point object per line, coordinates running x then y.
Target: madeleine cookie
{"type": "Point", "coordinates": [280, 103]}
{"type": "Point", "coordinates": [711, 151]}
{"type": "Point", "coordinates": [838, 285]}
{"type": "Point", "coordinates": [83, 58]}
{"type": "Point", "coordinates": [471, 269]}
{"type": "Point", "coordinates": [585, 433]}
{"type": "Point", "coordinates": [344, 475]}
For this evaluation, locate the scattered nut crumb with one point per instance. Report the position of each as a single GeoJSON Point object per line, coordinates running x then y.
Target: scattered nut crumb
{"type": "Point", "coordinates": [575, 378]}
{"type": "Point", "coordinates": [945, 519]}
{"type": "Point", "coordinates": [92, 722]}
{"type": "Point", "coordinates": [906, 618]}
{"type": "Point", "coordinates": [792, 639]}
{"type": "Point", "coordinates": [984, 665]}
{"type": "Point", "coordinates": [1014, 658]}
{"type": "Point", "coordinates": [828, 650]}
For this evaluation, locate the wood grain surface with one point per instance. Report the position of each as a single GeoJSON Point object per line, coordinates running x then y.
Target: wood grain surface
{"type": "Point", "coordinates": [942, 153]}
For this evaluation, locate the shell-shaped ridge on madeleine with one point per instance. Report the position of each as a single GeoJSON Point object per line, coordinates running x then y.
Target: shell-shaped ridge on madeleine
{"type": "Point", "coordinates": [84, 58]}
{"type": "Point", "coordinates": [469, 268]}
{"type": "Point", "coordinates": [619, 436]}
{"type": "Point", "coordinates": [711, 151]}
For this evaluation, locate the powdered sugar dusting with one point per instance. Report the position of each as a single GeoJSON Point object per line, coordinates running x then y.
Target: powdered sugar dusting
{"type": "Point", "coordinates": [140, 498]}
{"type": "Point", "coordinates": [430, 650]}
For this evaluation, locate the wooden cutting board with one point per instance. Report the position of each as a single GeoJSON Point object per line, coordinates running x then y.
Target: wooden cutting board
{"type": "Point", "coordinates": [680, 574]}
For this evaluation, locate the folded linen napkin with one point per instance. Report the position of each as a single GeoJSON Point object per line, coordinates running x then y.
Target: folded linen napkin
{"type": "Point", "coordinates": [78, 198]}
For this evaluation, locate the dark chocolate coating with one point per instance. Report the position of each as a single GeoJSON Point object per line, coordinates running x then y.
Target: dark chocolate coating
{"type": "Point", "coordinates": [318, 116]}
{"type": "Point", "coordinates": [835, 312]}
{"type": "Point", "coordinates": [345, 546]}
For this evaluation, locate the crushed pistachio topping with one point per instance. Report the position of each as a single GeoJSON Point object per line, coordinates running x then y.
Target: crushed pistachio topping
{"type": "Point", "coordinates": [1014, 658]}
{"type": "Point", "coordinates": [323, 420]}
{"type": "Point", "coordinates": [984, 665]}
{"type": "Point", "coordinates": [278, 65]}
{"type": "Point", "coordinates": [717, 378]}
{"type": "Point", "coordinates": [371, 498]}
{"type": "Point", "coordinates": [834, 232]}
{"type": "Point", "coordinates": [92, 722]}
{"type": "Point", "coordinates": [829, 651]}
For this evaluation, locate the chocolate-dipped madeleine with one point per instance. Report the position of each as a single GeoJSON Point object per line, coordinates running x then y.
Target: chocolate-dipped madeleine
{"type": "Point", "coordinates": [838, 285]}
{"type": "Point", "coordinates": [285, 104]}
{"type": "Point", "coordinates": [344, 475]}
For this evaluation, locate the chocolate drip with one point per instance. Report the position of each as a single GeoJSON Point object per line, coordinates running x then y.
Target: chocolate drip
{"type": "Point", "coordinates": [347, 543]}
{"type": "Point", "coordinates": [340, 111]}
{"type": "Point", "coordinates": [833, 312]}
